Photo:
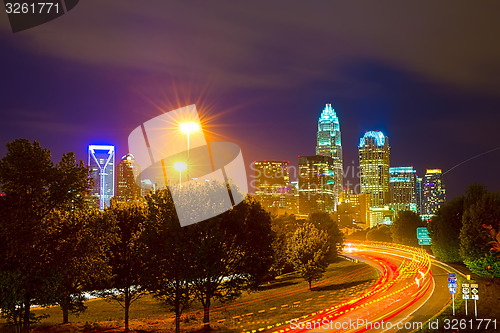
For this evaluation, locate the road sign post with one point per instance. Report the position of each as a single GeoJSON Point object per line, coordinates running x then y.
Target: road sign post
{"type": "Point", "coordinates": [452, 286]}
{"type": "Point", "coordinates": [474, 289]}
{"type": "Point", "coordinates": [465, 295]}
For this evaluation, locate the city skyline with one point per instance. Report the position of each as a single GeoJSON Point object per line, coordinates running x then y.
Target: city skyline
{"type": "Point", "coordinates": [328, 116]}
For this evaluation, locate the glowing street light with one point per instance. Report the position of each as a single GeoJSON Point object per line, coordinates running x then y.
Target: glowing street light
{"type": "Point", "coordinates": [189, 128]}
{"type": "Point", "coordinates": [180, 166]}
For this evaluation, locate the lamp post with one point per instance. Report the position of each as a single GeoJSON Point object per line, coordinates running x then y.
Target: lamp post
{"type": "Point", "coordinates": [180, 166]}
{"type": "Point", "coordinates": [188, 128]}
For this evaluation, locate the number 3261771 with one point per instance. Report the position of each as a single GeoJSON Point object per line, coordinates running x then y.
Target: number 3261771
{"type": "Point", "coordinates": [471, 324]}
{"type": "Point", "coordinates": [31, 8]}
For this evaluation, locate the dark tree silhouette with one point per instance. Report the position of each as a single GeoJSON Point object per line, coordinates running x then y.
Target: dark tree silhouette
{"type": "Point", "coordinates": [33, 188]}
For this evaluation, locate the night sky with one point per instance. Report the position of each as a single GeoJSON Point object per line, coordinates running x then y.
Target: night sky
{"type": "Point", "coordinates": [425, 73]}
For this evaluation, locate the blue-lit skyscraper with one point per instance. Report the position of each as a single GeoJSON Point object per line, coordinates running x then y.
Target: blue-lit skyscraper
{"type": "Point", "coordinates": [102, 164]}
{"type": "Point", "coordinates": [329, 144]}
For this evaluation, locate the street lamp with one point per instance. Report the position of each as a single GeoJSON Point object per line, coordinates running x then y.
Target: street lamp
{"type": "Point", "coordinates": [189, 128]}
{"type": "Point", "coordinates": [180, 166]}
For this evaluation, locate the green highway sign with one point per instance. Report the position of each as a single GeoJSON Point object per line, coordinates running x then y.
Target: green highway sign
{"type": "Point", "coordinates": [422, 233]}
{"type": "Point", "coordinates": [424, 242]}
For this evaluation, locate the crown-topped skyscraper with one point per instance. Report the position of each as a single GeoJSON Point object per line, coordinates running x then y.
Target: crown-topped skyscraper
{"type": "Point", "coordinates": [330, 144]}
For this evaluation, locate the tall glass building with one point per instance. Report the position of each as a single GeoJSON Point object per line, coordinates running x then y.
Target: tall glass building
{"type": "Point", "coordinates": [434, 192]}
{"type": "Point", "coordinates": [374, 157]}
{"type": "Point", "coordinates": [102, 164]}
{"type": "Point", "coordinates": [126, 185]}
{"type": "Point", "coordinates": [316, 184]}
{"type": "Point", "coordinates": [403, 186]}
{"type": "Point", "coordinates": [329, 144]}
{"type": "Point", "coordinates": [272, 184]}
{"type": "Point", "coordinates": [419, 195]}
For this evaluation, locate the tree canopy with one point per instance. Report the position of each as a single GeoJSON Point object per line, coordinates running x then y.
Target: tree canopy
{"type": "Point", "coordinates": [33, 189]}
{"type": "Point", "coordinates": [474, 239]}
{"type": "Point", "coordinates": [308, 250]}
{"type": "Point", "coordinates": [404, 228]}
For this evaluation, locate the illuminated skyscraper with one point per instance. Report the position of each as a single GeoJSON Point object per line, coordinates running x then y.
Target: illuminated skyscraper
{"type": "Point", "coordinates": [316, 184]}
{"type": "Point", "coordinates": [374, 157]}
{"type": "Point", "coordinates": [126, 186]}
{"type": "Point", "coordinates": [403, 186]}
{"type": "Point", "coordinates": [434, 192]}
{"type": "Point", "coordinates": [102, 164]}
{"type": "Point", "coordinates": [272, 184]}
{"type": "Point", "coordinates": [419, 195]}
{"type": "Point", "coordinates": [329, 144]}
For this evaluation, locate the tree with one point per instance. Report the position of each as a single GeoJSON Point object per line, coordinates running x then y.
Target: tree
{"type": "Point", "coordinates": [380, 233]}
{"type": "Point", "coordinates": [494, 238]}
{"type": "Point", "coordinates": [125, 253]}
{"type": "Point", "coordinates": [323, 221]}
{"type": "Point", "coordinates": [474, 242]}
{"type": "Point", "coordinates": [231, 251]}
{"type": "Point", "coordinates": [34, 187]}
{"type": "Point", "coordinates": [444, 226]}
{"type": "Point", "coordinates": [444, 230]}
{"type": "Point", "coordinates": [167, 259]}
{"type": "Point", "coordinates": [404, 228]}
{"type": "Point", "coordinates": [308, 250]}
{"type": "Point", "coordinates": [80, 244]}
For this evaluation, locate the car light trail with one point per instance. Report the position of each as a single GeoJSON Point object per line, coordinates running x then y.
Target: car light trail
{"type": "Point", "coordinates": [396, 290]}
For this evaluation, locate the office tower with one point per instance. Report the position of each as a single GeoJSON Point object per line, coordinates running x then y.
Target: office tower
{"type": "Point", "coordinates": [353, 209]}
{"type": "Point", "coordinates": [329, 144]}
{"type": "Point", "coordinates": [316, 184]}
{"type": "Point", "coordinates": [374, 156]}
{"type": "Point", "coordinates": [403, 187]}
{"type": "Point", "coordinates": [272, 184]}
{"type": "Point", "coordinates": [419, 195]}
{"type": "Point", "coordinates": [434, 192]}
{"type": "Point", "coordinates": [102, 165]}
{"type": "Point", "coordinates": [126, 186]}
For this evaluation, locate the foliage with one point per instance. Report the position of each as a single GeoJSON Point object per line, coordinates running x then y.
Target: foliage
{"type": "Point", "coordinates": [444, 225]}
{"type": "Point", "coordinates": [494, 238]}
{"type": "Point", "coordinates": [125, 253]}
{"type": "Point", "coordinates": [231, 251]}
{"type": "Point", "coordinates": [359, 235]}
{"type": "Point", "coordinates": [308, 250]}
{"type": "Point", "coordinates": [283, 227]}
{"type": "Point", "coordinates": [323, 221]}
{"type": "Point", "coordinates": [404, 228]}
{"type": "Point", "coordinates": [380, 233]}
{"type": "Point", "coordinates": [33, 188]}
{"type": "Point", "coordinates": [487, 265]}
{"type": "Point", "coordinates": [474, 242]}
{"type": "Point", "coordinates": [168, 257]}
{"type": "Point", "coordinates": [443, 230]}
{"type": "Point", "coordinates": [79, 244]}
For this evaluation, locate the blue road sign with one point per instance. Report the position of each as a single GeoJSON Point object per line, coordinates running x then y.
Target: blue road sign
{"type": "Point", "coordinates": [452, 275]}
{"type": "Point", "coordinates": [453, 290]}
{"type": "Point", "coordinates": [452, 285]}
{"type": "Point", "coordinates": [452, 280]}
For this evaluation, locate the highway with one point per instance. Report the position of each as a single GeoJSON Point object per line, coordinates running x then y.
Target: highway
{"type": "Point", "coordinates": [409, 291]}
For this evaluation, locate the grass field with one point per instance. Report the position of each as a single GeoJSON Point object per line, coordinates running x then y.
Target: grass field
{"type": "Point", "coordinates": [285, 298]}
